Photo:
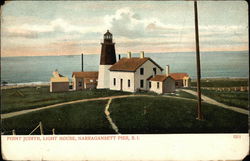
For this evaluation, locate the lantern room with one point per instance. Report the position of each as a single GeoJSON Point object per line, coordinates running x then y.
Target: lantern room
{"type": "Point", "coordinates": [108, 37]}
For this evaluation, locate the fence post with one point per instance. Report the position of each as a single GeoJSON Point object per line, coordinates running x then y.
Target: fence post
{"type": "Point", "coordinates": [53, 131]}
{"type": "Point", "coordinates": [41, 127]}
{"type": "Point", "coordinates": [13, 132]}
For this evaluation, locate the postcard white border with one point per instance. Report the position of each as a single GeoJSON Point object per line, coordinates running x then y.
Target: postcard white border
{"type": "Point", "coordinates": [146, 147]}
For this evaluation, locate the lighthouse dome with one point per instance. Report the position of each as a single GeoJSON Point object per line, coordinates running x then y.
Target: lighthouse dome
{"type": "Point", "coordinates": [108, 35]}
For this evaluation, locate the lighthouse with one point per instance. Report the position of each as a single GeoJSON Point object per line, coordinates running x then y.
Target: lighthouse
{"type": "Point", "coordinates": [107, 59]}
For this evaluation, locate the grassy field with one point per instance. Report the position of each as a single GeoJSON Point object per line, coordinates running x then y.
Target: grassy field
{"type": "Point", "coordinates": [31, 97]}
{"type": "Point", "coordinates": [170, 115]}
{"type": "Point", "coordinates": [133, 115]}
{"type": "Point", "coordinates": [178, 93]}
{"type": "Point", "coordinates": [232, 98]}
{"type": "Point", "coordinates": [219, 82]}
{"type": "Point", "coordinates": [182, 94]}
{"type": "Point", "coordinates": [81, 118]}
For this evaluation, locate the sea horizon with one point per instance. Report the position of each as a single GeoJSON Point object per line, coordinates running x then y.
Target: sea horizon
{"type": "Point", "coordinates": [30, 69]}
{"type": "Point", "coordinates": [51, 55]}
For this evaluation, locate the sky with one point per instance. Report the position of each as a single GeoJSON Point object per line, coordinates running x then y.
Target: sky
{"type": "Point", "coordinates": [36, 28]}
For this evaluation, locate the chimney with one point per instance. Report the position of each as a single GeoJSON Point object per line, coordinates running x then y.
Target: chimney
{"type": "Point", "coordinates": [142, 54]}
{"type": "Point", "coordinates": [82, 62]}
{"type": "Point", "coordinates": [129, 55]}
{"type": "Point", "coordinates": [167, 70]}
{"type": "Point", "coordinates": [119, 56]}
{"type": "Point", "coordinates": [56, 73]}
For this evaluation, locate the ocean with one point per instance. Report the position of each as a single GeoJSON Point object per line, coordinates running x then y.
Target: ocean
{"type": "Point", "coordinates": [38, 69]}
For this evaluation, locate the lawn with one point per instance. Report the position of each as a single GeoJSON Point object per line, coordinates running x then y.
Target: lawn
{"type": "Point", "coordinates": [222, 82]}
{"type": "Point", "coordinates": [182, 94]}
{"type": "Point", "coordinates": [32, 97]}
{"type": "Point", "coordinates": [231, 98]}
{"type": "Point", "coordinates": [132, 115]}
{"type": "Point", "coordinates": [81, 118]}
{"type": "Point", "coordinates": [143, 115]}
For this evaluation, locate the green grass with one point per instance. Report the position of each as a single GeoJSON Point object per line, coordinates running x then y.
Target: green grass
{"type": "Point", "coordinates": [172, 115]}
{"type": "Point", "coordinates": [182, 94]}
{"type": "Point", "coordinates": [232, 98]}
{"type": "Point", "coordinates": [163, 116]}
{"type": "Point", "coordinates": [81, 118]}
{"type": "Point", "coordinates": [32, 97]}
{"type": "Point", "coordinates": [225, 82]}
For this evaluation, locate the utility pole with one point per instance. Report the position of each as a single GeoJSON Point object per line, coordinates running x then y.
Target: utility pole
{"type": "Point", "coordinates": [199, 112]}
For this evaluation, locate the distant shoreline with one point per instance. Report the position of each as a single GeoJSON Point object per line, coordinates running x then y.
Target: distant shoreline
{"type": "Point", "coordinates": [221, 78]}
{"type": "Point", "coordinates": [43, 84]}
{"type": "Point", "coordinates": [21, 85]}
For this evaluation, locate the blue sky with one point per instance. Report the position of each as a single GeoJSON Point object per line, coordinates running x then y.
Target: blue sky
{"type": "Point", "coordinates": [31, 28]}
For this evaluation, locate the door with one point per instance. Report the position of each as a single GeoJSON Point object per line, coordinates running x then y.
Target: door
{"type": "Point", "coordinates": [121, 83]}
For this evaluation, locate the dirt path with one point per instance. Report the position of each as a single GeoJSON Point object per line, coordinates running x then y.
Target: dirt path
{"type": "Point", "coordinates": [12, 114]}
{"type": "Point", "coordinates": [107, 113]}
{"type": "Point", "coordinates": [207, 99]}
{"type": "Point", "coordinates": [214, 102]}
{"type": "Point", "coordinates": [17, 113]}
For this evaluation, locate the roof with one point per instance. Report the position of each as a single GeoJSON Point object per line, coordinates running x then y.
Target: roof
{"type": "Point", "coordinates": [150, 77]}
{"type": "Point", "coordinates": [178, 76]}
{"type": "Point", "coordinates": [57, 74]}
{"type": "Point", "coordinates": [107, 33]}
{"type": "Point", "coordinates": [85, 74]}
{"type": "Point", "coordinates": [130, 64]}
{"type": "Point", "coordinates": [160, 78]}
{"type": "Point", "coordinates": [59, 79]}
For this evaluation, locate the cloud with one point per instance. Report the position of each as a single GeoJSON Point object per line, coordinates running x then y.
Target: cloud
{"type": "Point", "coordinates": [20, 33]}
{"type": "Point", "coordinates": [125, 23]}
{"type": "Point", "coordinates": [133, 29]}
{"type": "Point", "coordinates": [53, 28]}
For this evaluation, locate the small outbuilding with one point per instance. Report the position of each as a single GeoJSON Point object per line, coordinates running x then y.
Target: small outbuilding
{"type": "Point", "coordinates": [84, 80]}
{"type": "Point", "coordinates": [59, 83]}
{"type": "Point", "coordinates": [162, 84]}
{"type": "Point", "coordinates": [181, 79]}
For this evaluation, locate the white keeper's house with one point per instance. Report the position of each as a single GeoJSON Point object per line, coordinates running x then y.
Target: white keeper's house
{"type": "Point", "coordinates": [139, 73]}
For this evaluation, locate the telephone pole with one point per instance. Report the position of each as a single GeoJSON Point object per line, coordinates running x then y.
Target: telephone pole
{"type": "Point", "coordinates": [199, 112]}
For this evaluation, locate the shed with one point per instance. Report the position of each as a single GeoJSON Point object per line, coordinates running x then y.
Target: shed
{"type": "Point", "coordinates": [59, 83]}
{"type": "Point", "coordinates": [162, 84]}
{"type": "Point", "coordinates": [181, 79]}
{"type": "Point", "coordinates": [84, 80]}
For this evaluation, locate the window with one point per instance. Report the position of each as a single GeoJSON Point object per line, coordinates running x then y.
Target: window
{"type": "Point", "coordinates": [141, 83]}
{"type": "Point", "coordinates": [91, 80]}
{"type": "Point", "coordinates": [80, 83]}
{"type": "Point", "coordinates": [154, 69]}
{"type": "Point", "coordinates": [114, 82]}
{"type": "Point", "coordinates": [141, 71]}
{"type": "Point", "coordinates": [149, 85]}
{"type": "Point", "coordinates": [129, 83]}
{"type": "Point", "coordinates": [158, 84]}
{"type": "Point", "coordinates": [176, 83]}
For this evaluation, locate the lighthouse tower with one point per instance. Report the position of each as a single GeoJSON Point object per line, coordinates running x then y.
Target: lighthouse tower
{"type": "Point", "coordinates": [107, 59]}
